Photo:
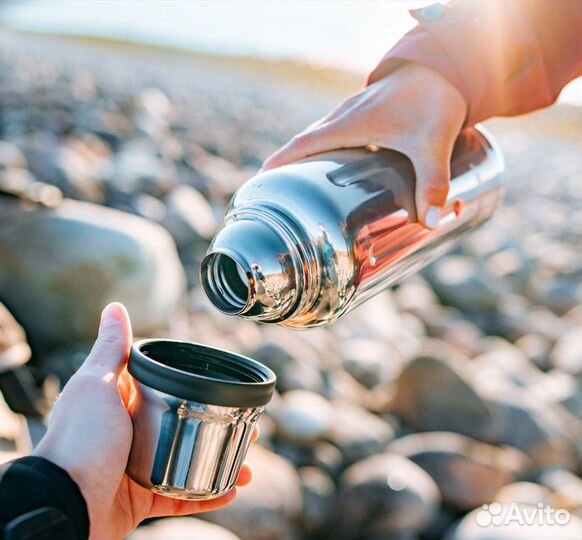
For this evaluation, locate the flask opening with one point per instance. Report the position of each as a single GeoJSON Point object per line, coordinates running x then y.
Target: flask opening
{"type": "Point", "coordinates": [226, 283]}
{"type": "Point", "coordinates": [252, 269]}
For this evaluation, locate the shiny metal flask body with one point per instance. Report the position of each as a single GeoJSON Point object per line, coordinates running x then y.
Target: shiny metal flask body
{"type": "Point", "coordinates": [303, 244]}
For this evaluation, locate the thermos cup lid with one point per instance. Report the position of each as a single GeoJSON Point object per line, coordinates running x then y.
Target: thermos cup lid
{"type": "Point", "coordinates": [201, 373]}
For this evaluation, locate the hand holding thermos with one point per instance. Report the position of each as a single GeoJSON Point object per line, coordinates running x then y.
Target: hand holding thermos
{"type": "Point", "coordinates": [90, 437]}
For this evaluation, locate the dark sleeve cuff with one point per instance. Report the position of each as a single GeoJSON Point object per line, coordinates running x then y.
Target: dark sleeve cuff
{"type": "Point", "coordinates": [39, 500]}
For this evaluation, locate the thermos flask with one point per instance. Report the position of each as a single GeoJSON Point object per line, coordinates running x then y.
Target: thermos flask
{"type": "Point", "coordinates": [305, 243]}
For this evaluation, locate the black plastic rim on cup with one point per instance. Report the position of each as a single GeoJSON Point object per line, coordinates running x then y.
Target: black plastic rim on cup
{"type": "Point", "coordinates": [201, 373]}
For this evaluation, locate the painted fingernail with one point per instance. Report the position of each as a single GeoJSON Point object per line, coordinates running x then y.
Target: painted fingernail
{"type": "Point", "coordinates": [112, 314]}
{"type": "Point", "coordinates": [432, 217]}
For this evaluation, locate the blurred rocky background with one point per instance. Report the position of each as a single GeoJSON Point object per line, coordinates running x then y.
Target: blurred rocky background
{"type": "Point", "coordinates": [462, 387]}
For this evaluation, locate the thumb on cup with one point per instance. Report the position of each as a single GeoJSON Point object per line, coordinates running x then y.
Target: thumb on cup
{"type": "Point", "coordinates": [111, 349]}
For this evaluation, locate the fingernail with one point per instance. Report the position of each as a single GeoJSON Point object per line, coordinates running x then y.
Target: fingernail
{"type": "Point", "coordinates": [112, 314]}
{"type": "Point", "coordinates": [432, 217]}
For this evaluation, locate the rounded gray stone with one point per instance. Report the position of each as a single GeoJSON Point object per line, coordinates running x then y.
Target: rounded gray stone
{"type": "Point", "coordinates": [382, 495]}
{"type": "Point", "coordinates": [77, 258]}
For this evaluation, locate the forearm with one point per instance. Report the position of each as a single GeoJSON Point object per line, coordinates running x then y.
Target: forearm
{"type": "Point", "coordinates": [505, 58]}
{"type": "Point", "coordinates": [39, 500]}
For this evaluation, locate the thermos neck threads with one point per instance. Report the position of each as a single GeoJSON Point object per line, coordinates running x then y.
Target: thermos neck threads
{"type": "Point", "coordinates": [253, 269]}
{"type": "Point", "coordinates": [226, 284]}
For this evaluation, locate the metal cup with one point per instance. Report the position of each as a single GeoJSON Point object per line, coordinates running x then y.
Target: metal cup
{"type": "Point", "coordinates": [194, 409]}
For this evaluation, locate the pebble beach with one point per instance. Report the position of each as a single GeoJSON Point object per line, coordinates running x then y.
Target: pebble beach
{"type": "Point", "coordinates": [425, 414]}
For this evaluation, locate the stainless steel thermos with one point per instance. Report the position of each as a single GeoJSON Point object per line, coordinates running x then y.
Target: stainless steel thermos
{"type": "Point", "coordinates": [305, 243]}
{"type": "Point", "coordinates": [193, 410]}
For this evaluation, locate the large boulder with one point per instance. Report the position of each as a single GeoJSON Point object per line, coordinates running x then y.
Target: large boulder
{"type": "Point", "coordinates": [59, 267]}
{"type": "Point", "coordinates": [383, 495]}
{"type": "Point", "coordinates": [270, 506]}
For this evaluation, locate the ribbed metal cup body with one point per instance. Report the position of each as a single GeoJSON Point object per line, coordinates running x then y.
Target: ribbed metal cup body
{"type": "Point", "coordinates": [194, 409]}
{"type": "Point", "coordinates": [185, 449]}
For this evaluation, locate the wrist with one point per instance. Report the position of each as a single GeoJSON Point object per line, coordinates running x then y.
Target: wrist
{"type": "Point", "coordinates": [51, 450]}
{"type": "Point", "coordinates": [439, 86]}
{"type": "Point", "coordinates": [445, 96]}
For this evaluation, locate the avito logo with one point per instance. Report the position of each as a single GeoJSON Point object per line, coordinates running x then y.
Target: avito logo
{"type": "Point", "coordinates": [498, 515]}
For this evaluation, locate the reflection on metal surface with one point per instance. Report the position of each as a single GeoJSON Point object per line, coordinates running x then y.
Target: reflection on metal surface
{"type": "Point", "coordinates": [318, 237]}
{"type": "Point", "coordinates": [185, 449]}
